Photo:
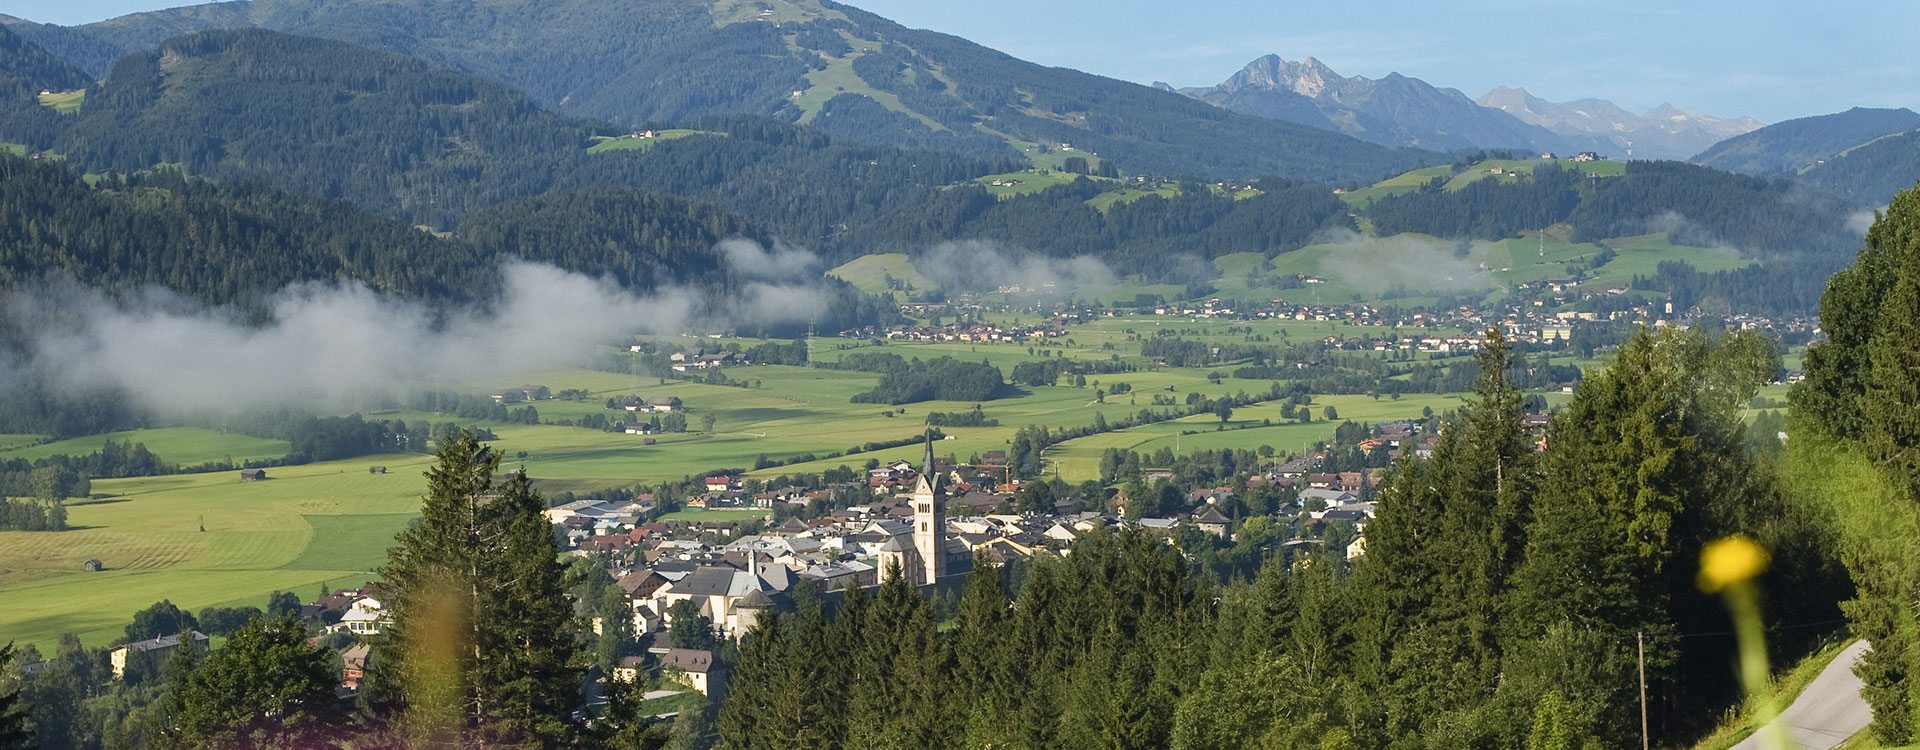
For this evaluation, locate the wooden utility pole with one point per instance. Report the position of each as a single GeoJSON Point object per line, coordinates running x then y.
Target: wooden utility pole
{"type": "Point", "coordinates": [1645, 742]}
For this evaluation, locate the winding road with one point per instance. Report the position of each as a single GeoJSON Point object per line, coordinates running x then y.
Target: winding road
{"type": "Point", "coordinates": [1828, 711]}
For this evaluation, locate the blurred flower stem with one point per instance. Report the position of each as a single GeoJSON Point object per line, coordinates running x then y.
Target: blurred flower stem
{"type": "Point", "coordinates": [1728, 567]}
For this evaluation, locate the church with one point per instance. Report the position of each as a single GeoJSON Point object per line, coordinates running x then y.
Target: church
{"type": "Point", "coordinates": [929, 554]}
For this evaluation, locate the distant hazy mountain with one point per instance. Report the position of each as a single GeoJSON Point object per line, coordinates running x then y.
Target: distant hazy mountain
{"type": "Point", "coordinates": [841, 70]}
{"type": "Point", "coordinates": [1865, 154]}
{"type": "Point", "coordinates": [1665, 132]}
{"type": "Point", "coordinates": [1791, 146]}
{"type": "Point", "coordinates": [1394, 110]}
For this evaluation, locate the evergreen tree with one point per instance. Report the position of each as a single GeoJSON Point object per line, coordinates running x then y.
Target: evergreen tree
{"type": "Point", "coordinates": [1647, 464]}
{"type": "Point", "coordinates": [1869, 357]}
{"type": "Point", "coordinates": [13, 713]}
{"type": "Point", "coordinates": [482, 644]}
{"type": "Point", "coordinates": [267, 688]}
{"type": "Point", "coordinates": [622, 727]}
{"type": "Point", "coordinates": [1440, 556]}
{"type": "Point", "coordinates": [1893, 384]}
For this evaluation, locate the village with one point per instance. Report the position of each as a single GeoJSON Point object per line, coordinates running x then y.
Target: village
{"type": "Point", "coordinates": [929, 522]}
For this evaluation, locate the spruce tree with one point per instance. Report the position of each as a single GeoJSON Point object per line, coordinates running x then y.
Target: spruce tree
{"type": "Point", "coordinates": [747, 720]}
{"type": "Point", "coordinates": [482, 643]}
{"type": "Point", "coordinates": [979, 645]}
{"type": "Point", "coordinates": [13, 710]}
{"type": "Point", "coordinates": [876, 695]}
{"type": "Point", "coordinates": [1441, 554]}
{"type": "Point", "coordinates": [1892, 403]}
{"type": "Point", "coordinates": [1647, 464]}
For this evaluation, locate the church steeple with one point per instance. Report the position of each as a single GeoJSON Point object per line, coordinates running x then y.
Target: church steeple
{"type": "Point", "coordinates": [929, 471]}
{"type": "Point", "coordinates": [930, 519]}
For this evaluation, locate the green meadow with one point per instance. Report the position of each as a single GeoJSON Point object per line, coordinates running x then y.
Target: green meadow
{"type": "Point", "coordinates": [64, 102]}
{"type": "Point", "coordinates": [869, 274]}
{"type": "Point", "coordinates": [603, 144]}
{"type": "Point", "coordinates": [203, 540]}
{"type": "Point", "coordinates": [184, 446]}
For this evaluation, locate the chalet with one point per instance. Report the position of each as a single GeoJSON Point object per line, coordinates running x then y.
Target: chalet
{"type": "Point", "coordinates": [353, 665]}
{"type": "Point", "coordinates": [158, 647]}
{"type": "Point", "coordinates": [365, 617]}
{"type": "Point", "coordinates": [720, 483]}
{"type": "Point", "coordinates": [640, 428]}
{"type": "Point", "coordinates": [252, 475]}
{"type": "Point", "coordinates": [664, 404]}
{"type": "Point", "coordinates": [92, 566]}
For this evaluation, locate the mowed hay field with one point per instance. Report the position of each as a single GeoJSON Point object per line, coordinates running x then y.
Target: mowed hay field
{"type": "Point", "coordinates": [275, 534]}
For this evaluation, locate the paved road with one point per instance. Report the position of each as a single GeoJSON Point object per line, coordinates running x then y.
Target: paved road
{"type": "Point", "coordinates": [1828, 712]}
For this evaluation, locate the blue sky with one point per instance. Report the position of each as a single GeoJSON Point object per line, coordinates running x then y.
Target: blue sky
{"type": "Point", "coordinates": [1773, 59]}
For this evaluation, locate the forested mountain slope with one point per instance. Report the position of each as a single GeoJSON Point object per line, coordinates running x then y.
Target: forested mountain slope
{"type": "Point", "coordinates": [849, 72]}
{"type": "Point", "coordinates": [228, 245]}
{"type": "Point", "coordinates": [396, 136]}
{"type": "Point", "coordinates": [1791, 146]}
{"type": "Point", "coordinates": [1871, 172]}
{"type": "Point", "coordinates": [1800, 235]}
{"type": "Point", "coordinates": [25, 71]}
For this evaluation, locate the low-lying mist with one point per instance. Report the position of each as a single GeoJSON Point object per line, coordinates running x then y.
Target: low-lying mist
{"type": "Point", "coordinates": [1373, 265]}
{"type": "Point", "coordinates": [329, 345]}
{"type": "Point", "coordinates": [978, 266]}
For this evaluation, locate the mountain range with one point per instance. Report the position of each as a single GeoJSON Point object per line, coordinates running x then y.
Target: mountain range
{"type": "Point", "coordinates": [1664, 132]}
{"type": "Point", "coordinates": [1395, 110]}
{"type": "Point", "coordinates": [1398, 110]}
{"type": "Point", "coordinates": [838, 69]}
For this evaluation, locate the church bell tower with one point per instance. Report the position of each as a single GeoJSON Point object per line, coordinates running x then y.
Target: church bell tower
{"type": "Point", "coordinates": [930, 520]}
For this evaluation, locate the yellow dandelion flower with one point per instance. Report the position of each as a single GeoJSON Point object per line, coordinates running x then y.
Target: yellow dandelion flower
{"type": "Point", "coordinates": [1730, 561]}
